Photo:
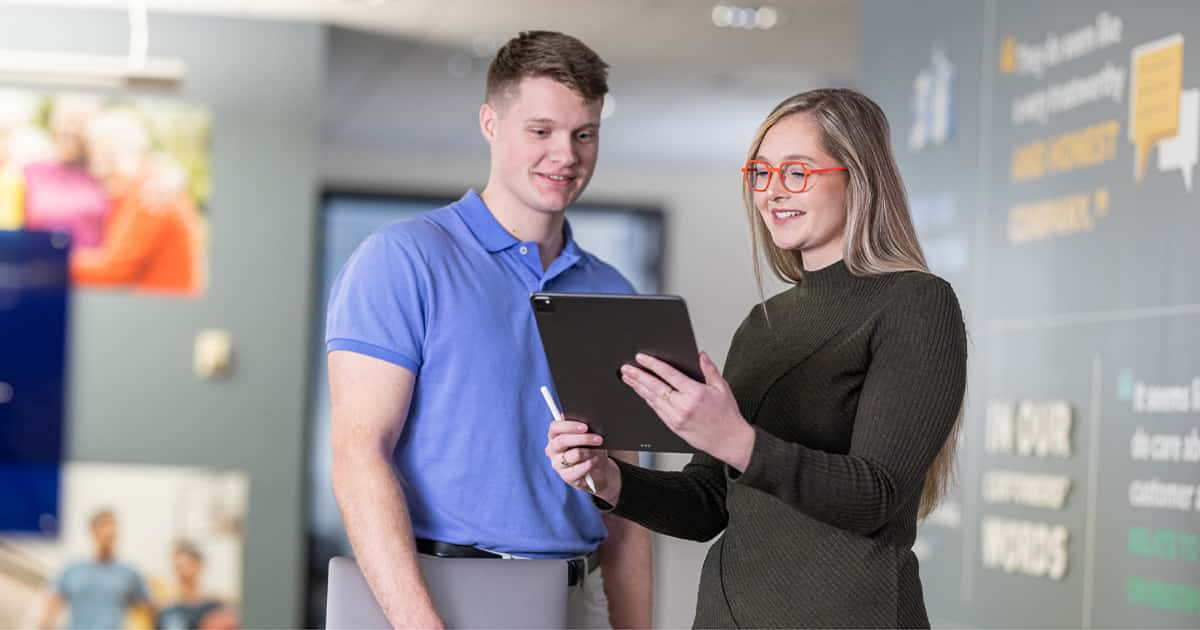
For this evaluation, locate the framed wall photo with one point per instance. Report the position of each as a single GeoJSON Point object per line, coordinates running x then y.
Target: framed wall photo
{"type": "Point", "coordinates": [128, 179]}
{"type": "Point", "coordinates": [129, 535]}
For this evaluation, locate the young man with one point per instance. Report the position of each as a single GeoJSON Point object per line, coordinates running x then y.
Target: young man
{"type": "Point", "coordinates": [99, 591]}
{"type": "Point", "coordinates": [192, 608]}
{"type": "Point", "coordinates": [435, 362]}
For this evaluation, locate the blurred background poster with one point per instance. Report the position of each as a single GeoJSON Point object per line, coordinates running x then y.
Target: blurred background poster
{"type": "Point", "coordinates": [137, 547]}
{"type": "Point", "coordinates": [33, 320]}
{"type": "Point", "coordinates": [128, 179]}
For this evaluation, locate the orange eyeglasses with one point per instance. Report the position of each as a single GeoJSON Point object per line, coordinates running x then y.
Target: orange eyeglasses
{"type": "Point", "coordinates": [795, 175]}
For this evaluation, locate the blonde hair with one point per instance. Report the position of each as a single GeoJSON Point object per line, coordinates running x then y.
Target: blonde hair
{"type": "Point", "coordinates": [879, 236]}
{"type": "Point", "coordinates": [124, 129]}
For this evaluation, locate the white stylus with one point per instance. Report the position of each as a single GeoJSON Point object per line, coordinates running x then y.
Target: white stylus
{"type": "Point", "coordinates": [558, 416]}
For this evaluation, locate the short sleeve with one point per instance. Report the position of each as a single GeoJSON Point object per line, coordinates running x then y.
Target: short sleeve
{"type": "Point", "coordinates": [379, 301]}
{"type": "Point", "coordinates": [137, 588]}
{"type": "Point", "coordinates": [62, 584]}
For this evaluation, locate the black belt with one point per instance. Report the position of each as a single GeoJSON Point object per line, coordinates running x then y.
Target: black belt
{"type": "Point", "coordinates": [576, 567]}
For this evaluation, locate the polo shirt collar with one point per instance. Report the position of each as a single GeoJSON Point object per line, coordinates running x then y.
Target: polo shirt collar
{"type": "Point", "coordinates": [483, 225]}
{"type": "Point", "coordinates": [495, 238]}
{"type": "Point", "coordinates": [571, 252]}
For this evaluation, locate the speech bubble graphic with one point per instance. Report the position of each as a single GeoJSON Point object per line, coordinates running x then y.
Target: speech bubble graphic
{"type": "Point", "coordinates": [1154, 89]}
{"type": "Point", "coordinates": [1181, 151]}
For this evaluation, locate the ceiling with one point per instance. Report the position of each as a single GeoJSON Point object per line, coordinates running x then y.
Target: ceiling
{"type": "Point", "coordinates": [407, 75]}
{"type": "Point", "coordinates": [810, 35]}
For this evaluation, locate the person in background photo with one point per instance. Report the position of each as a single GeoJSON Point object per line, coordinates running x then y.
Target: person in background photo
{"type": "Point", "coordinates": [152, 237]}
{"type": "Point", "coordinates": [21, 143]}
{"type": "Point", "coordinates": [60, 194]}
{"type": "Point", "coordinates": [100, 591]}
{"type": "Point", "coordinates": [192, 609]}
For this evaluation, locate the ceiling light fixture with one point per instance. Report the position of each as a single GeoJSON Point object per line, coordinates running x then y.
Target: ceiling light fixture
{"type": "Point", "coordinates": [94, 70]}
{"type": "Point", "coordinates": [746, 18]}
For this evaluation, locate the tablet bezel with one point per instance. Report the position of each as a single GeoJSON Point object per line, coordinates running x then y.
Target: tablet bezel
{"type": "Point", "coordinates": [586, 339]}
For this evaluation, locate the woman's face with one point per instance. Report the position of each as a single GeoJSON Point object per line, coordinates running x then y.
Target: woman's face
{"type": "Point", "coordinates": [812, 221]}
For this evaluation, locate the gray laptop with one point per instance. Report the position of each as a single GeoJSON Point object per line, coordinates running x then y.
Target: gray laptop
{"type": "Point", "coordinates": [468, 593]}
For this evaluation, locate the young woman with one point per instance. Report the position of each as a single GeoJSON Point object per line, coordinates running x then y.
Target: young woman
{"type": "Point", "coordinates": [834, 426]}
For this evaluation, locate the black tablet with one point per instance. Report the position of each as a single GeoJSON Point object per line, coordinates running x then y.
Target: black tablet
{"type": "Point", "coordinates": [588, 337]}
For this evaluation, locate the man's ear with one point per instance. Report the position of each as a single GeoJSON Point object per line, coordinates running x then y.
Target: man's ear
{"type": "Point", "coordinates": [488, 118]}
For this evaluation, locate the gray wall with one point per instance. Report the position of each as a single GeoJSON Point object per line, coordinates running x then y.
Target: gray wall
{"type": "Point", "coordinates": [1084, 313]}
{"type": "Point", "coordinates": [133, 397]}
{"type": "Point", "coordinates": [943, 186]}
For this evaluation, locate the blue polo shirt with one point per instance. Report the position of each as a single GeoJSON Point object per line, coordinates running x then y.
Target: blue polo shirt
{"type": "Point", "coordinates": [99, 593]}
{"type": "Point", "coordinates": [446, 295]}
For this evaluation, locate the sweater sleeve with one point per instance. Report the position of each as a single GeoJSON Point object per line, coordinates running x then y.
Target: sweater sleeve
{"type": "Point", "coordinates": [911, 397]}
{"type": "Point", "coordinates": [689, 503]}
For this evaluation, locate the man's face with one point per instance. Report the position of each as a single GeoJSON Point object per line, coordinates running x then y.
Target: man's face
{"type": "Point", "coordinates": [544, 138]}
{"type": "Point", "coordinates": [68, 129]}
{"type": "Point", "coordinates": [103, 157]}
{"type": "Point", "coordinates": [104, 532]}
{"type": "Point", "coordinates": [187, 566]}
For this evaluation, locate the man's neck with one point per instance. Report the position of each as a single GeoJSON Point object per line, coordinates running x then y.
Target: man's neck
{"type": "Point", "coordinates": [189, 592]}
{"type": "Point", "coordinates": [525, 224]}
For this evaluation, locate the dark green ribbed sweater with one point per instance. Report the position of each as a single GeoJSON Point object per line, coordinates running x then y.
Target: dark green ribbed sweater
{"type": "Point", "coordinates": [852, 390]}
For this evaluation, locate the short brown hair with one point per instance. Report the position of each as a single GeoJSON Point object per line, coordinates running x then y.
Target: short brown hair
{"type": "Point", "coordinates": [189, 548]}
{"type": "Point", "coordinates": [547, 54]}
{"type": "Point", "coordinates": [100, 515]}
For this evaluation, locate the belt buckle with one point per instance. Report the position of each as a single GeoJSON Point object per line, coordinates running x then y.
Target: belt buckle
{"type": "Point", "coordinates": [576, 571]}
